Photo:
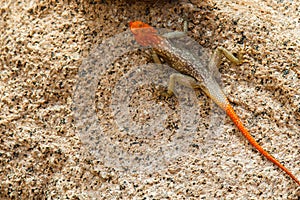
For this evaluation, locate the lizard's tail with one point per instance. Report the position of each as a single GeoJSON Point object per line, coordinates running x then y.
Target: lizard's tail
{"type": "Point", "coordinates": [236, 120]}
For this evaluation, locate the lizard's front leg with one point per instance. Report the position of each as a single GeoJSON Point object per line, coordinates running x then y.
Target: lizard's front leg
{"type": "Point", "coordinates": [182, 79]}
{"type": "Point", "coordinates": [177, 34]}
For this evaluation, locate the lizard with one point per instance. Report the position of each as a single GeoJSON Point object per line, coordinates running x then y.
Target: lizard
{"type": "Point", "coordinates": [192, 72]}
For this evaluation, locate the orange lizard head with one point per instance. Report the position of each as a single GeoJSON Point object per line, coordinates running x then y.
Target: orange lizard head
{"type": "Point", "coordinates": [144, 34]}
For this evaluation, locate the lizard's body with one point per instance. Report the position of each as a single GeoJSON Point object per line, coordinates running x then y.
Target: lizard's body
{"type": "Point", "coordinates": [198, 75]}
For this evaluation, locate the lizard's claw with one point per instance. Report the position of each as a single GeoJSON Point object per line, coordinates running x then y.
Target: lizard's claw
{"type": "Point", "coordinates": [164, 93]}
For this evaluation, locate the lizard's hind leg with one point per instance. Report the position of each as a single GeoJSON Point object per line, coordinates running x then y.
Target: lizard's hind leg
{"type": "Point", "coordinates": [216, 58]}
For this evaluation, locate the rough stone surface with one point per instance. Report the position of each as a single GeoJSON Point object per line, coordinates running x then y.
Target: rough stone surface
{"type": "Point", "coordinates": [42, 46]}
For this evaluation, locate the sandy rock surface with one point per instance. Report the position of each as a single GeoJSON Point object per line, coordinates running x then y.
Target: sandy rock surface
{"type": "Point", "coordinates": [44, 44]}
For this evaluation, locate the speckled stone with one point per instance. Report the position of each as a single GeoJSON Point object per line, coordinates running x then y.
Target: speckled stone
{"type": "Point", "coordinates": [42, 46]}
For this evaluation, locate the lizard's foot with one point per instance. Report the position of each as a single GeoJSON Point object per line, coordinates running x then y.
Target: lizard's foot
{"type": "Point", "coordinates": [178, 34]}
{"type": "Point", "coordinates": [236, 60]}
{"type": "Point", "coordinates": [164, 93]}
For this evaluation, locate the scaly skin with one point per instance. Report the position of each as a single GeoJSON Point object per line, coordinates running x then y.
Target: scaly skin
{"type": "Point", "coordinates": [186, 63]}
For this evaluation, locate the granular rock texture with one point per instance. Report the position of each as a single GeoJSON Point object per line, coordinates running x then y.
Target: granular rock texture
{"type": "Point", "coordinates": [42, 47]}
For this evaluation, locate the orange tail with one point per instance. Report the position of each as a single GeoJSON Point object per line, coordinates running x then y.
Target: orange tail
{"type": "Point", "coordinates": [236, 120]}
